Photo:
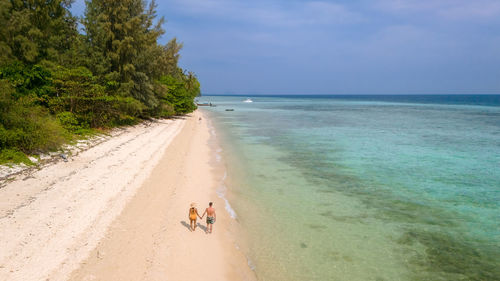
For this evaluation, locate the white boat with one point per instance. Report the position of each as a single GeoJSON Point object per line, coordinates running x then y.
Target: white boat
{"type": "Point", "coordinates": [248, 100]}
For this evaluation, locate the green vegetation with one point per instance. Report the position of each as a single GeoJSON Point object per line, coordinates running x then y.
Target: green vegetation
{"type": "Point", "coordinates": [57, 83]}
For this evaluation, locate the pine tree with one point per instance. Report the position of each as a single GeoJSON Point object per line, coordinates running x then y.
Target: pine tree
{"type": "Point", "coordinates": [122, 38]}
{"type": "Point", "coordinates": [34, 30]}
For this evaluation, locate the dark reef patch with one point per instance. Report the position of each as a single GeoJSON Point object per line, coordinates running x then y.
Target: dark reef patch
{"type": "Point", "coordinates": [346, 219]}
{"type": "Point", "coordinates": [455, 254]}
{"type": "Point", "coordinates": [316, 226]}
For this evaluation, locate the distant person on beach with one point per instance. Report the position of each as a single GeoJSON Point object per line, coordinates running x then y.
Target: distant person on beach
{"type": "Point", "coordinates": [193, 214]}
{"type": "Point", "coordinates": [211, 217]}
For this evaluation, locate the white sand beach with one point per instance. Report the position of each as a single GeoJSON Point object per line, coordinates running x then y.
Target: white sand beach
{"type": "Point", "coordinates": [118, 211]}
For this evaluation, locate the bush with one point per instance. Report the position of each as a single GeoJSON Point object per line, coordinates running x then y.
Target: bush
{"type": "Point", "coordinates": [33, 81]}
{"type": "Point", "coordinates": [27, 127]}
{"type": "Point", "coordinates": [32, 128]}
{"type": "Point", "coordinates": [8, 156]}
{"type": "Point", "coordinates": [70, 122]}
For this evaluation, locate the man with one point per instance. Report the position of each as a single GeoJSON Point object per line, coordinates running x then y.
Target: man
{"type": "Point", "coordinates": [211, 217]}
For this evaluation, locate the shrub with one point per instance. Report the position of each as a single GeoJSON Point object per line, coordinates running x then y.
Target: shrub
{"type": "Point", "coordinates": [27, 127]}
{"type": "Point", "coordinates": [33, 81]}
{"type": "Point", "coordinates": [8, 156]}
{"type": "Point", "coordinates": [70, 122]}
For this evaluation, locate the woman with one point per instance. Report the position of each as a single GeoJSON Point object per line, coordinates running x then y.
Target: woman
{"type": "Point", "coordinates": [193, 213]}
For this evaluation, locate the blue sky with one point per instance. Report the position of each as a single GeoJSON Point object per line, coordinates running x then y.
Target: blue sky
{"type": "Point", "coordinates": [337, 47]}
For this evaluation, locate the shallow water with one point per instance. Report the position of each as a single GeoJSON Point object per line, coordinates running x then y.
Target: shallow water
{"type": "Point", "coordinates": [365, 189]}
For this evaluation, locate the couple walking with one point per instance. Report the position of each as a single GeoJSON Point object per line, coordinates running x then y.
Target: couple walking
{"type": "Point", "coordinates": [193, 214]}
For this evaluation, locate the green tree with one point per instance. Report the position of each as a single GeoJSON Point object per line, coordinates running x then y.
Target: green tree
{"type": "Point", "coordinates": [181, 91]}
{"type": "Point", "coordinates": [123, 40]}
{"type": "Point", "coordinates": [33, 30]}
{"type": "Point", "coordinates": [32, 82]}
{"type": "Point", "coordinates": [81, 103]}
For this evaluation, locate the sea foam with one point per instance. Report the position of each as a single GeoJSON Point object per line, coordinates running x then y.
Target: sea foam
{"type": "Point", "coordinates": [221, 192]}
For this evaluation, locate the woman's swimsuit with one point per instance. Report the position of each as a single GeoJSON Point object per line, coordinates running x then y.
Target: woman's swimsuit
{"type": "Point", "coordinates": [192, 214]}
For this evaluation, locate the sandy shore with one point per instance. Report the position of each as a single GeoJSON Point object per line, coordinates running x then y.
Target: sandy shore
{"type": "Point", "coordinates": [118, 211]}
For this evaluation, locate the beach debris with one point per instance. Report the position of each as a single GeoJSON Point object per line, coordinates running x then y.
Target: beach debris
{"type": "Point", "coordinates": [33, 159]}
{"type": "Point", "coordinates": [64, 157]}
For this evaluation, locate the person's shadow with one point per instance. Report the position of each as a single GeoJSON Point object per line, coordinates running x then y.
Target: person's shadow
{"type": "Point", "coordinates": [204, 228]}
{"type": "Point", "coordinates": [185, 224]}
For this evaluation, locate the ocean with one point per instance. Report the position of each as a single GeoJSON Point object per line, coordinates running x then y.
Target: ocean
{"type": "Point", "coordinates": [363, 187]}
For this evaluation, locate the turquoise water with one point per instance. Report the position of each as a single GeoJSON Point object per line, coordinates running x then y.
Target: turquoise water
{"type": "Point", "coordinates": [364, 189]}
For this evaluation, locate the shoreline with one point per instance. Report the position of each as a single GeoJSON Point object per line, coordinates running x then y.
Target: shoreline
{"type": "Point", "coordinates": [234, 190]}
{"type": "Point", "coordinates": [225, 189]}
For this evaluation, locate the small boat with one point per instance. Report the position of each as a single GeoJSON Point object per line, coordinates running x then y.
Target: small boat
{"type": "Point", "coordinates": [229, 109]}
{"type": "Point", "coordinates": [248, 100]}
{"type": "Point", "coordinates": [205, 104]}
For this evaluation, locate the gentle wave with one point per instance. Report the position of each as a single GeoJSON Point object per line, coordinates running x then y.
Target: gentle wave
{"type": "Point", "coordinates": [221, 192]}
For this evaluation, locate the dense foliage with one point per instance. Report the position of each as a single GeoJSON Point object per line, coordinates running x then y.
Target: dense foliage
{"type": "Point", "coordinates": [56, 82]}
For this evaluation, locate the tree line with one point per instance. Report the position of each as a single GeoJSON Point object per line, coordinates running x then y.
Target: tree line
{"type": "Point", "coordinates": [63, 76]}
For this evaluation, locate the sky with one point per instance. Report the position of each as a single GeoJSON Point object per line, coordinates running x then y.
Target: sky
{"type": "Point", "coordinates": [337, 47]}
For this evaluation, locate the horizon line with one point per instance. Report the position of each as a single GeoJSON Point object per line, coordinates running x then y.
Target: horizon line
{"type": "Point", "coordinates": [254, 95]}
